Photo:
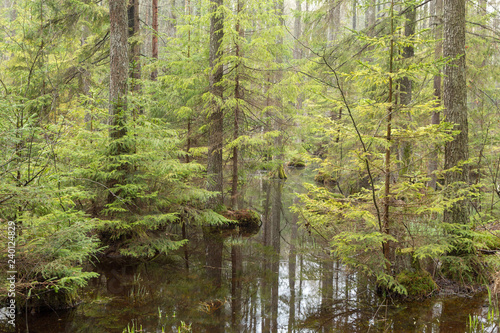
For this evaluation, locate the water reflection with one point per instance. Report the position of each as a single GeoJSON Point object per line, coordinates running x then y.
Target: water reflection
{"type": "Point", "coordinates": [271, 263]}
{"type": "Point", "coordinates": [214, 244]}
{"type": "Point", "coordinates": [117, 276]}
{"type": "Point", "coordinates": [236, 285]}
{"type": "Point", "coordinates": [279, 280]}
{"type": "Point", "coordinates": [292, 268]}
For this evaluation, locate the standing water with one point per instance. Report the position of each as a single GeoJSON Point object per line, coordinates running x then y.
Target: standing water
{"type": "Point", "coordinates": [276, 279]}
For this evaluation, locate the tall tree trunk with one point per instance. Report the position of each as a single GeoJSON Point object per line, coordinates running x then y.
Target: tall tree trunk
{"type": "Point", "coordinates": [187, 10]}
{"type": "Point", "coordinates": [297, 54]}
{"type": "Point", "coordinates": [387, 246]}
{"type": "Point", "coordinates": [354, 14]}
{"type": "Point", "coordinates": [240, 32]}
{"type": "Point", "coordinates": [370, 16]}
{"type": "Point", "coordinates": [118, 68]}
{"type": "Point", "coordinates": [145, 18]}
{"type": "Point", "coordinates": [135, 48]}
{"type": "Point", "coordinates": [216, 125]}
{"type": "Point", "coordinates": [455, 104]}
{"type": "Point", "coordinates": [438, 54]}
{"type": "Point", "coordinates": [408, 52]}
{"type": "Point", "coordinates": [406, 85]}
{"type": "Point", "coordinates": [432, 13]}
{"type": "Point", "coordinates": [118, 85]}
{"type": "Point", "coordinates": [425, 16]}
{"type": "Point", "coordinates": [154, 46]}
{"type": "Point", "coordinates": [278, 125]}
{"type": "Point", "coordinates": [297, 30]}
{"type": "Point", "coordinates": [496, 20]}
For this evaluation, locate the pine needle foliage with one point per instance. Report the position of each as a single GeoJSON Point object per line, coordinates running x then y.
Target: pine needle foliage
{"type": "Point", "coordinates": [350, 100]}
{"type": "Point", "coordinates": [155, 190]}
{"type": "Point", "coordinates": [53, 238]}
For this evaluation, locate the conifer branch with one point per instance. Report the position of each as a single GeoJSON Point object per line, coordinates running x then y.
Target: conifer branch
{"type": "Point", "coordinates": [360, 137]}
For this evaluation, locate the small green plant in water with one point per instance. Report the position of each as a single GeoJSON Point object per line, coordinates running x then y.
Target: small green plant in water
{"type": "Point", "coordinates": [489, 324]}
{"type": "Point", "coordinates": [475, 324]}
{"type": "Point", "coordinates": [184, 328]}
{"type": "Point", "coordinates": [133, 329]}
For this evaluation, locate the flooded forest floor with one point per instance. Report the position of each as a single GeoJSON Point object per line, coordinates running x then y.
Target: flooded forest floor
{"type": "Point", "coordinates": [278, 278]}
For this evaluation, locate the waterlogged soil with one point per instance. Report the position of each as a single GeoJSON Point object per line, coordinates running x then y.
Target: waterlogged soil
{"type": "Point", "coordinates": [278, 279]}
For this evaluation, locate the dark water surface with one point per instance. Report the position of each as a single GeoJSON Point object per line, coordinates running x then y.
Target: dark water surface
{"type": "Point", "coordinates": [277, 280]}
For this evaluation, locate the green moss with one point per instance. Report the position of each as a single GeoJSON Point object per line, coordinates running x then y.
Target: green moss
{"type": "Point", "coordinates": [418, 284]}
{"type": "Point", "coordinates": [324, 178]}
{"type": "Point", "coordinates": [297, 162]}
{"type": "Point", "coordinates": [279, 173]}
{"type": "Point", "coordinates": [248, 221]}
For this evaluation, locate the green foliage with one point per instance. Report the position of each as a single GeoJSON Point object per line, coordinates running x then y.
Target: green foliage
{"type": "Point", "coordinates": [58, 165]}
{"type": "Point", "coordinates": [50, 252]}
{"type": "Point", "coordinates": [418, 284]}
{"type": "Point", "coordinates": [54, 238]}
{"type": "Point", "coordinates": [251, 82]}
{"type": "Point", "coordinates": [352, 228]}
{"type": "Point", "coordinates": [156, 185]}
{"type": "Point", "coordinates": [345, 124]}
{"type": "Point", "coordinates": [71, 190]}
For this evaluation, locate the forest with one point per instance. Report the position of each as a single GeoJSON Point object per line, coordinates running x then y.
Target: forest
{"type": "Point", "coordinates": [209, 165]}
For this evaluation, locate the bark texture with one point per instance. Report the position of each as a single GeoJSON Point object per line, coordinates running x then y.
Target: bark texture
{"type": "Point", "coordinates": [405, 87]}
{"type": "Point", "coordinates": [455, 104]}
{"type": "Point", "coordinates": [237, 97]}
{"type": "Point", "coordinates": [118, 68]}
{"type": "Point", "coordinates": [118, 89]}
{"type": "Point", "coordinates": [216, 124]}
{"type": "Point", "coordinates": [370, 16]}
{"type": "Point", "coordinates": [278, 120]}
{"type": "Point", "coordinates": [354, 14]}
{"type": "Point", "coordinates": [297, 29]}
{"type": "Point", "coordinates": [154, 42]}
{"type": "Point", "coordinates": [388, 247]}
{"type": "Point", "coordinates": [438, 53]}
{"type": "Point", "coordinates": [135, 48]}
